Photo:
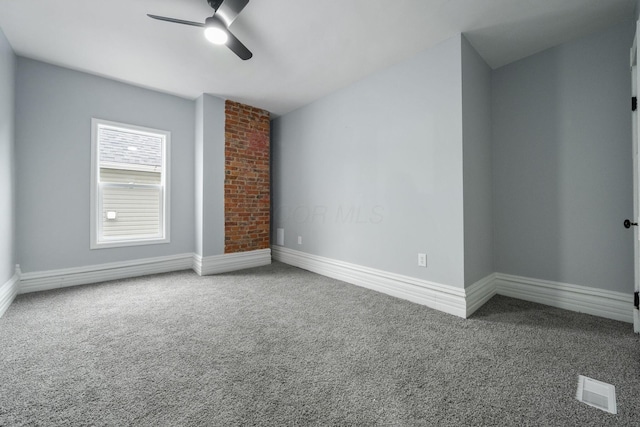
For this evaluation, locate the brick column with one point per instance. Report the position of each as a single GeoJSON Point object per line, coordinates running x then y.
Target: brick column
{"type": "Point", "coordinates": [247, 178]}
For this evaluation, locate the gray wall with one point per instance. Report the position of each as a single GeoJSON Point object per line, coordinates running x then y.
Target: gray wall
{"type": "Point", "coordinates": [209, 168]}
{"type": "Point", "coordinates": [478, 183]}
{"type": "Point", "coordinates": [562, 163]}
{"type": "Point", "coordinates": [53, 137]}
{"type": "Point", "coordinates": [372, 174]}
{"type": "Point", "coordinates": [199, 176]}
{"type": "Point", "coordinates": [7, 170]}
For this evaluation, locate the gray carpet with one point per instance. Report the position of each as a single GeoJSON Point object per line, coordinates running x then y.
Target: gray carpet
{"type": "Point", "coordinates": [281, 346]}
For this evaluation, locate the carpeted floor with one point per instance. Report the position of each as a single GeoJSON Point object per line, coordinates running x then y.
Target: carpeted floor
{"type": "Point", "coordinates": [281, 346]}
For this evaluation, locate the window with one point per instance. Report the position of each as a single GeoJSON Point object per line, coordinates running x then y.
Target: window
{"type": "Point", "coordinates": [129, 185]}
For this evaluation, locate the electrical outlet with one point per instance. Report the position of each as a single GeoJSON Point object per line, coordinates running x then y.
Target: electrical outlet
{"type": "Point", "coordinates": [422, 260]}
{"type": "Point", "coordinates": [299, 240]}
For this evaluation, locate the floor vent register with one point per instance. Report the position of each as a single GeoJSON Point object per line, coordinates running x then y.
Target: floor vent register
{"type": "Point", "coordinates": [597, 394]}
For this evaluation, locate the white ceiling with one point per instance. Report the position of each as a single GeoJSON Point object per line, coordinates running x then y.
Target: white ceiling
{"type": "Point", "coordinates": [302, 49]}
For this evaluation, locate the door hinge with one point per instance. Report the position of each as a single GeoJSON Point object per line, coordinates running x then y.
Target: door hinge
{"type": "Point", "coordinates": [634, 103]}
{"type": "Point", "coordinates": [636, 300]}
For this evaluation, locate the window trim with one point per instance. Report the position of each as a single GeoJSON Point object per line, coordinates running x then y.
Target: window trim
{"type": "Point", "coordinates": [96, 199]}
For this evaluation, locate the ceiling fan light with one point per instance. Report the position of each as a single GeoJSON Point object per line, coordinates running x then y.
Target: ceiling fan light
{"type": "Point", "coordinates": [216, 35]}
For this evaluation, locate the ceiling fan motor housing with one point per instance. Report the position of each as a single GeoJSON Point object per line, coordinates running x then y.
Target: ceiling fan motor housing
{"type": "Point", "coordinates": [215, 21]}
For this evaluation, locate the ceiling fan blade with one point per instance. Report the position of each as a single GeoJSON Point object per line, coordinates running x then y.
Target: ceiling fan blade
{"type": "Point", "coordinates": [177, 21]}
{"type": "Point", "coordinates": [229, 10]}
{"type": "Point", "coordinates": [237, 47]}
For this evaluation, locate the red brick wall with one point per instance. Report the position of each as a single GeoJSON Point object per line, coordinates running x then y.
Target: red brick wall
{"type": "Point", "coordinates": [246, 184]}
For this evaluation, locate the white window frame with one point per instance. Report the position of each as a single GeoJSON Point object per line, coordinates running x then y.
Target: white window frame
{"type": "Point", "coordinates": [96, 239]}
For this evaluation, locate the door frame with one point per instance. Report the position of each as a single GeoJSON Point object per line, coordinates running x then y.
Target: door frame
{"type": "Point", "coordinates": [635, 78]}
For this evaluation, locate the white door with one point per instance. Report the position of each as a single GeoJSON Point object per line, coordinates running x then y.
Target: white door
{"type": "Point", "coordinates": [636, 173]}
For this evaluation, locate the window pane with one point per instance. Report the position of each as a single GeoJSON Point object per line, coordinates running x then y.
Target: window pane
{"type": "Point", "coordinates": [131, 212]}
{"type": "Point", "coordinates": [130, 150]}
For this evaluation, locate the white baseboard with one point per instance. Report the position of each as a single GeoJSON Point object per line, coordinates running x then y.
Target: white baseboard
{"type": "Point", "coordinates": [230, 262]}
{"type": "Point", "coordinates": [464, 302]}
{"type": "Point", "coordinates": [440, 297]}
{"type": "Point", "coordinates": [582, 299]}
{"type": "Point", "coordinates": [457, 301]}
{"type": "Point", "coordinates": [9, 290]}
{"type": "Point", "coordinates": [53, 279]}
{"type": "Point", "coordinates": [598, 302]}
{"type": "Point", "coordinates": [479, 293]}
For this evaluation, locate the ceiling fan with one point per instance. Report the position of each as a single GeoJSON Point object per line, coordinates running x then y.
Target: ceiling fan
{"type": "Point", "coordinates": [216, 27]}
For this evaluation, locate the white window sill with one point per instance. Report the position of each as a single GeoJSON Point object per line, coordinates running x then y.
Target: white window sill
{"type": "Point", "coordinates": [124, 243]}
